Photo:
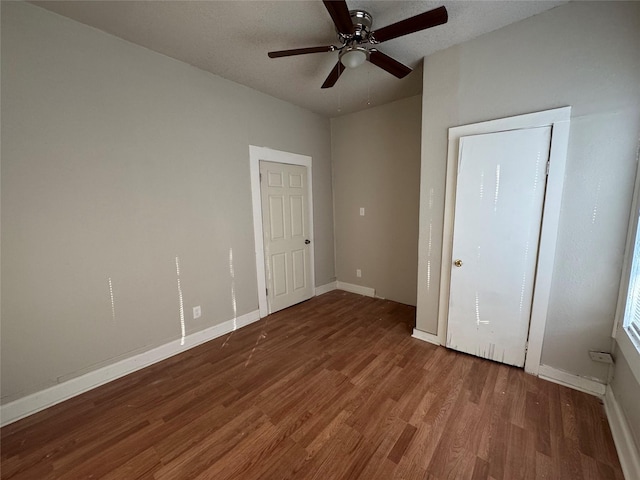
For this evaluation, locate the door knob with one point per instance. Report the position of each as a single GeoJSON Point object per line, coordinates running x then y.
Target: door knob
{"type": "Point", "coordinates": [307, 241]}
{"type": "Point", "coordinates": [458, 263]}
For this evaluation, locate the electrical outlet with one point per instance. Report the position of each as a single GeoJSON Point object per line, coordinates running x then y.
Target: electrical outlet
{"type": "Point", "coordinates": [602, 357]}
{"type": "Point", "coordinates": [362, 211]}
{"type": "Point", "coordinates": [358, 273]}
{"type": "Point", "coordinates": [197, 312]}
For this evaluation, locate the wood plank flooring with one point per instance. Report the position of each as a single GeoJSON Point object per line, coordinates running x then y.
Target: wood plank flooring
{"type": "Point", "coordinates": [334, 388]}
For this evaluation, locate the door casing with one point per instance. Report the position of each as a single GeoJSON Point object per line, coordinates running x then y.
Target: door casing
{"type": "Point", "coordinates": [559, 120]}
{"type": "Point", "coordinates": [255, 155]}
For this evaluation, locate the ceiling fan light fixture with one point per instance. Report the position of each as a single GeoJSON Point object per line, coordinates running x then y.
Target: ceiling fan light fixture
{"type": "Point", "coordinates": [353, 57]}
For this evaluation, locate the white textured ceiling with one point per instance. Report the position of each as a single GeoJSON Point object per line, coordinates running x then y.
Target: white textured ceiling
{"type": "Point", "coordinates": [232, 38]}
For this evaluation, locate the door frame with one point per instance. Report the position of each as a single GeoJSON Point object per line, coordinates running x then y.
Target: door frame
{"type": "Point", "coordinates": [559, 120]}
{"type": "Point", "coordinates": [277, 156]}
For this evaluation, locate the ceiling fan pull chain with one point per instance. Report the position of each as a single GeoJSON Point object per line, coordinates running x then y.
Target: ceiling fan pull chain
{"type": "Point", "coordinates": [368, 85]}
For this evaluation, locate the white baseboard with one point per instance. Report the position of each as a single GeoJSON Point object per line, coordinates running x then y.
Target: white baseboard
{"type": "Point", "coordinates": [622, 437]}
{"type": "Point", "coordinates": [326, 288]}
{"type": "Point", "coordinates": [570, 380]}
{"type": "Point", "coordinates": [35, 402]}
{"type": "Point", "coordinates": [350, 287]}
{"type": "Point", "coordinates": [426, 337]}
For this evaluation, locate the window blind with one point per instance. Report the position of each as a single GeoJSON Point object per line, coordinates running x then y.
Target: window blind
{"type": "Point", "coordinates": [632, 312]}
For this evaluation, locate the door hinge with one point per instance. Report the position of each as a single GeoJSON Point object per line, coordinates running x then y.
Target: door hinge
{"type": "Point", "coordinates": [267, 290]}
{"type": "Point", "coordinates": [548, 166]}
{"type": "Point", "coordinates": [261, 177]}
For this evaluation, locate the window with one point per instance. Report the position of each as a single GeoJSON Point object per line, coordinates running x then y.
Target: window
{"type": "Point", "coordinates": [627, 325]}
{"type": "Point", "coordinates": [631, 321]}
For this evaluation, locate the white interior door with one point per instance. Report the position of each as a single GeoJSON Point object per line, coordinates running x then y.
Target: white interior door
{"type": "Point", "coordinates": [285, 220]}
{"type": "Point", "coordinates": [498, 211]}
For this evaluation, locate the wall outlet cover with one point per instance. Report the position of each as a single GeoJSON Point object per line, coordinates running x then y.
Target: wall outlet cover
{"type": "Point", "coordinates": [197, 312]}
{"type": "Point", "coordinates": [602, 357]}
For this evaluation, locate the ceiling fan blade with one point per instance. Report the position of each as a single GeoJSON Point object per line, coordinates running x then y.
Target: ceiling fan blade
{"type": "Point", "coordinates": [340, 15]}
{"type": "Point", "coordinates": [387, 63]}
{"type": "Point", "coordinates": [425, 20]}
{"type": "Point", "coordinates": [334, 75]}
{"type": "Point", "coordinates": [300, 51]}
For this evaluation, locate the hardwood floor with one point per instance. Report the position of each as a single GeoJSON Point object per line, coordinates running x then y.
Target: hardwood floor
{"type": "Point", "coordinates": [334, 388]}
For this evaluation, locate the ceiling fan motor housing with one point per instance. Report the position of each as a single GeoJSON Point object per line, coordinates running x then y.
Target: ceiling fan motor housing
{"type": "Point", "coordinates": [362, 22]}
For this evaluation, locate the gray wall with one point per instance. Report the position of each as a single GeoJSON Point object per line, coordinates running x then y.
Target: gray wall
{"type": "Point", "coordinates": [376, 165]}
{"type": "Point", "coordinates": [583, 54]}
{"type": "Point", "coordinates": [115, 161]}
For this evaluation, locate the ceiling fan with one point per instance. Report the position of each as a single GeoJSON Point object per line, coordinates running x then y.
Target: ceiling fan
{"type": "Point", "coordinates": [357, 39]}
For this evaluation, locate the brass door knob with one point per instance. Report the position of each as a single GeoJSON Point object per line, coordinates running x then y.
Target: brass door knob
{"type": "Point", "coordinates": [458, 263]}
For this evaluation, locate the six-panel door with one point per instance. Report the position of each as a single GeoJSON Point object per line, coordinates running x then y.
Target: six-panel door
{"type": "Point", "coordinates": [285, 218]}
